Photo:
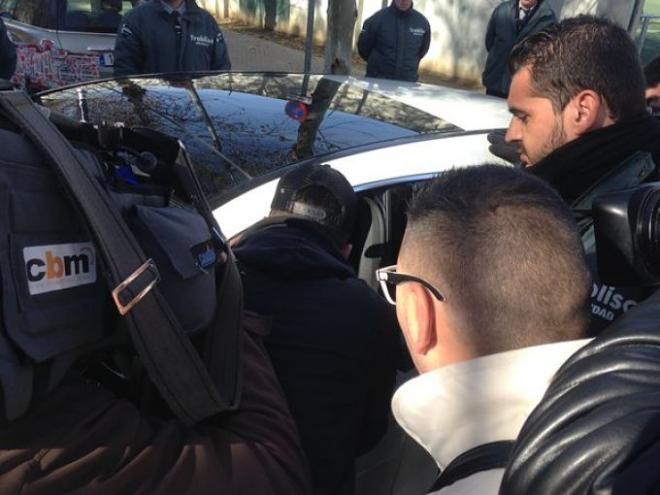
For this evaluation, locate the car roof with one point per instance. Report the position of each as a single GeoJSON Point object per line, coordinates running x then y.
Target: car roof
{"type": "Point", "coordinates": [236, 128]}
{"type": "Point", "coordinates": [244, 119]}
{"type": "Point", "coordinates": [469, 110]}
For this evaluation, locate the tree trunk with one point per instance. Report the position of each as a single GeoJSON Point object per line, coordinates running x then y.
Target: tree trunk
{"type": "Point", "coordinates": [322, 97]}
{"type": "Point", "coordinates": [339, 42]}
{"type": "Point", "coordinates": [270, 14]}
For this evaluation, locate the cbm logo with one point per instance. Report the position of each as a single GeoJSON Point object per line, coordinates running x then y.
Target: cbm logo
{"type": "Point", "coordinates": [59, 266]}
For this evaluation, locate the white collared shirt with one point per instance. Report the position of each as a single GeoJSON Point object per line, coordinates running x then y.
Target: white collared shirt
{"type": "Point", "coordinates": [169, 9]}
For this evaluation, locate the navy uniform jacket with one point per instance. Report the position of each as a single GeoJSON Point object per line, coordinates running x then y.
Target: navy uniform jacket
{"type": "Point", "coordinates": [147, 41]}
{"type": "Point", "coordinates": [393, 42]}
{"type": "Point", "coordinates": [501, 36]}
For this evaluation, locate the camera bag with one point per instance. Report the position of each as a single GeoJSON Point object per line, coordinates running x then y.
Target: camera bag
{"type": "Point", "coordinates": [87, 257]}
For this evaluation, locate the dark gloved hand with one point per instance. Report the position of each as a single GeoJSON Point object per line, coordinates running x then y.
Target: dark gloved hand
{"type": "Point", "coordinates": [500, 148]}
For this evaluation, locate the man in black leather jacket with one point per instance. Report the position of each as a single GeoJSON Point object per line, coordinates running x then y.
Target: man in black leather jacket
{"type": "Point", "coordinates": [580, 122]}
{"type": "Point", "coordinates": [334, 341]}
{"type": "Point", "coordinates": [394, 40]}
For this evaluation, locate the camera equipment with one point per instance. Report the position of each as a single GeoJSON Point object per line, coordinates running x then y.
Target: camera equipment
{"type": "Point", "coordinates": [627, 231]}
{"type": "Point", "coordinates": [110, 239]}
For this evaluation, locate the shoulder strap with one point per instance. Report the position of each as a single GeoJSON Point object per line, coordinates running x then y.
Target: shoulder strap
{"type": "Point", "coordinates": [171, 361]}
{"type": "Point", "coordinates": [483, 457]}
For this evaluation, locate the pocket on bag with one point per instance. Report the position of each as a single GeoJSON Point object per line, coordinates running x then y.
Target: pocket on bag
{"type": "Point", "coordinates": [179, 241]}
{"type": "Point", "coordinates": [55, 299]}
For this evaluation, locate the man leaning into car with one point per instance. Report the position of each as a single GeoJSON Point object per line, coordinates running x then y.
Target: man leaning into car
{"type": "Point", "coordinates": [334, 341]}
{"type": "Point", "coordinates": [580, 122]}
{"type": "Point", "coordinates": [483, 248]}
{"type": "Point", "coordinates": [169, 36]}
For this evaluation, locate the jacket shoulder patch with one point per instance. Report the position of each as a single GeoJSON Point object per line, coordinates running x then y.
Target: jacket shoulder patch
{"type": "Point", "coordinates": [125, 31]}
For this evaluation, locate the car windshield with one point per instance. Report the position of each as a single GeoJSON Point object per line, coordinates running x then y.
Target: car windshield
{"type": "Point", "coordinates": [240, 126]}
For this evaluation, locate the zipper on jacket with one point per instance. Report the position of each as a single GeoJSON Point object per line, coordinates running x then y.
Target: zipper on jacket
{"type": "Point", "coordinates": [401, 32]}
{"type": "Point", "coordinates": [178, 33]}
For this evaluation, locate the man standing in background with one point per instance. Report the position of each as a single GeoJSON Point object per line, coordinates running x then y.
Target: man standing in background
{"type": "Point", "coordinates": [511, 22]}
{"type": "Point", "coordinates": [394, 40]}
{"type": "Point", "coordinates": [7, 53]}
{"type": "Point", "coordinates": [652, 94]}
{"type": "Point", "coordinates": [169, 36]}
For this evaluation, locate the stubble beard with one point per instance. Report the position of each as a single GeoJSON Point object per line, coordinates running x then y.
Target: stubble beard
{"type": "Point", "coordinates": [557, 140]}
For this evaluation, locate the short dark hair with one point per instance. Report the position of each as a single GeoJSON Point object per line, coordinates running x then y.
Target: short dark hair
{"type": "Point", "coordinates": [584, 52]}
{"type": "Point", "coordinates": [652, 72]}
{"type": "Point", "coordinates": [505, 250]}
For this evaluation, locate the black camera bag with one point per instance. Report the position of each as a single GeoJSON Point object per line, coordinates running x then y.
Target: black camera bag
{"type": "Point", "coordinates": [83, 259]}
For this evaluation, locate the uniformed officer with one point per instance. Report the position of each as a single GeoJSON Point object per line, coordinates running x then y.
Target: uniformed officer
{"type": "Point", "coordinates": [394, 40]}
{"type": "Point", "coordinates": [7, 53]}
{"type": "Point", "coordinates": [169, 36]}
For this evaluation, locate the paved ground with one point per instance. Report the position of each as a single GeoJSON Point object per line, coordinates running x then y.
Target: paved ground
{"type": "Point", "coordinates": [251, 53]}
{"type": "Point", "coordinates": [254, 50]}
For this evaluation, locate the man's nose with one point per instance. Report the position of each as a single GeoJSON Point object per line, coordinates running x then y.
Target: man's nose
{"type": "Point", "coordinates": [513, 132]}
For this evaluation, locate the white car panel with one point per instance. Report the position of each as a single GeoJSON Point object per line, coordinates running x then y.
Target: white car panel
{"type": "Point", "coordinates": [410, 159]}
{"type": "Point", "coordinates": [468, 110]}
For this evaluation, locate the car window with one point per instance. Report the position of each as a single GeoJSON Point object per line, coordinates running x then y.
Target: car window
{"type": "Point", "coordinates": [8, 7]}
{"type": "Point", "coordinates": [160, 105]}
{"type": "Point", "coordinates": [30, 12]}
{"type": "Point", "coordinates": [97, 16]}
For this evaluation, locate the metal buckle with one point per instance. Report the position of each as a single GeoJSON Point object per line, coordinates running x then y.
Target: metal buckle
{"type": "Point", "coordinates": [116, 292]}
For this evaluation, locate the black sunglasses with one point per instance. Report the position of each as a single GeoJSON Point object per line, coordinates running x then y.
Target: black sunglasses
{"type": "Point", "coordinates": [389, 279]}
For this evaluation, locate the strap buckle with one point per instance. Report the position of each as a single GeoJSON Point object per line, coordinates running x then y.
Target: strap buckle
{"type": "Point", "coordinates": [124, 308]}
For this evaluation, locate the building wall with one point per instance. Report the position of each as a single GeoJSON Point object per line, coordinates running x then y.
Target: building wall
{"type": "Point", "coordinates": [457, 44]}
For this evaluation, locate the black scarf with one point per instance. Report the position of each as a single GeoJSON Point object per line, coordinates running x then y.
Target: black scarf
{"type": "Point", "coordinates": [576, 166]}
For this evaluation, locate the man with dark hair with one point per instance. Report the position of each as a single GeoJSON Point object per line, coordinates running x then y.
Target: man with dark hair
{"type": "Point", "coordinates": [169, 36]}
{"type": "Point", "coordinates": [580, 121]}
{"type": "Point", "coordinates": [652, 77]}
{"type": "Point", "coordinates": [511, 22]}
{"type": "Point", "coordinates": [334, 341]}
{"type": "Point", "coordinates": [394, 40]}
{"type": "Point", "coordinates": [483, 250]}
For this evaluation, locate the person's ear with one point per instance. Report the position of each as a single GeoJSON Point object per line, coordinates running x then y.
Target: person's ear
{"type": "Point", "coordinates": [587, 112]}
{"type": "Point", "coordinates": [420, 319]}
{"type": "Point", "coordinates": [346, 250]}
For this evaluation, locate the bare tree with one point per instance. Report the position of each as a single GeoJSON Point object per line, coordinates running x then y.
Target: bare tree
{"type": "Point", "coordinates": [322, 97]}
{"type": "Point", "coordinates": [270, 14]}
{"type": "Point", "coordinates": [339, 41]}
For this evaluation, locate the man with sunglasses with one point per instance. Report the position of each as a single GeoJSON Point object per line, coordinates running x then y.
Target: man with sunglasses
{"type": "Point", "coordinates": [334, 341]}
{"type": "Point", "coordinates": [491, 291]}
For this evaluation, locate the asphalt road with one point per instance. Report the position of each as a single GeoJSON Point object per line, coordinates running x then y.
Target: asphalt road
{"type": "Point", "coordinates": [250, 53]}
